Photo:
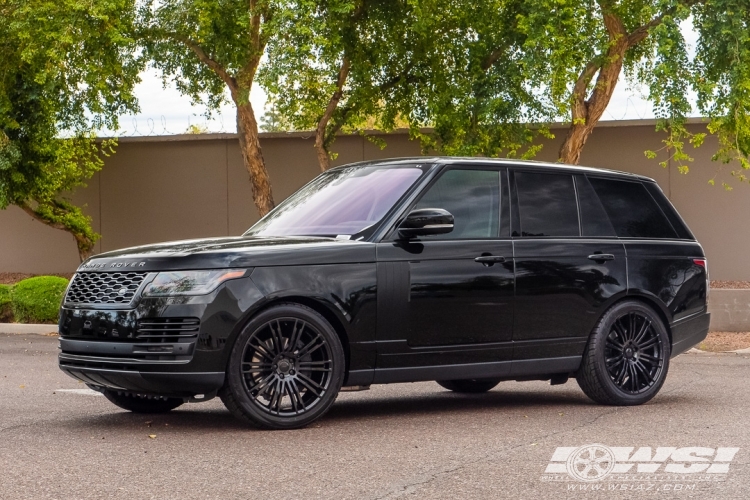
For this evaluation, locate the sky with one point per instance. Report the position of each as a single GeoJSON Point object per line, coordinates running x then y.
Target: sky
{"type": "Point", "coordinates": [164, 111]}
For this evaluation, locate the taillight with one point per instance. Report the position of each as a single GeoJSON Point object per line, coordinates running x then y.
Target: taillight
{"type": "Point", "coordinates": [704, 264]}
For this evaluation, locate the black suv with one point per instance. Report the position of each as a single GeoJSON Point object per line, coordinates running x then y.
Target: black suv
{"type": "Point", "coordinates": [461, 270]}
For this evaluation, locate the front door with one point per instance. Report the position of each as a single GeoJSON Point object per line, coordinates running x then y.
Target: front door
{"type": "Point", "coordinates": [448, 299]}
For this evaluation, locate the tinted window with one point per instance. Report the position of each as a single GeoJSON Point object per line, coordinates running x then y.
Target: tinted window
{"type": "Point", "coordinates": [633, 211]}
{"type": "Point", "coordinates": [547, 204]}
{"type": "Point", "coordinates": [472, 196]}
{"type": "Point", "coordinates": [345, 201]}
{"type": "Point", "coordinates": [594, 220]}
{"type": "Point", "coordinates": [674, 218]}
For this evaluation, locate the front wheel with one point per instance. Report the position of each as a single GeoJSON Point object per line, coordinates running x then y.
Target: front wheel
{"type": "Point", "coordinates": [142, 404]}
{"type": "Point", "coordinates": [474, 386]}
{"type": "Point", "coordinates": [285, 369]}
{"type": "Point", "coordinates": [627, 359]}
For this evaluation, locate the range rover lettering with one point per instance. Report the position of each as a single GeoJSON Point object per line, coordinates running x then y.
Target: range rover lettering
{"type": "Point", "coordinates": [464, 271]}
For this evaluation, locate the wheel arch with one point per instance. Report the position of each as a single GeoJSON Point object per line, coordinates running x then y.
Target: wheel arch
{"type": "Point", "coordinates": [319, 306]}
{"type": "Point", "coordinates": [650, 300]}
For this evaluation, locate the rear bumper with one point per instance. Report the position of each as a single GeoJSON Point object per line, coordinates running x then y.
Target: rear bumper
{"type": "Point", "coordinates": [689, 332]}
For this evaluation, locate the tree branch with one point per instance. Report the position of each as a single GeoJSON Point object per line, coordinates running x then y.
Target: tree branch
{"type": "Point", "coordinates": [320, 133]}
{"type": "Point", "coordinates": [203, 57]}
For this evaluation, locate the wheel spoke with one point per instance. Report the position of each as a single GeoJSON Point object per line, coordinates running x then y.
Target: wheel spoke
{"type": "Point", "coordinates": [645, 371]}
{"type": "Point", "coordinates": [619, 330]}
{"type": "Point", "coordinates": [621, 375]}
{"type": "Point", "coordinates": [650, 342]}
{"type": "Point", "coordinates": [261, 349]}
{"type": "Point", "coordinates": [294, 338]}
{"type": "Point", "coordinates": [635, 386]}
{"type": "Point", "coordinates": [311, 385]}
{"type": "Point", "coordinates": [648, 357]}
{"type": "Point", "coordinates": [642, 332]}
{"type": "Point", "coordinates": [613, 344]}
{"type": "Point", "coordinates": [311, 347]}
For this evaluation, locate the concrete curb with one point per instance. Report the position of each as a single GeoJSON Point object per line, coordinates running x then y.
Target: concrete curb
{"type": "Point", "coordinates": [29, 329]}
{"type": "Point", "coordinates": [730, 310]}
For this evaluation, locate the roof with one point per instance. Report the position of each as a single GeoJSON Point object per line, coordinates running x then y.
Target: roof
{"type": "Point", "coordinates": [532, 164]}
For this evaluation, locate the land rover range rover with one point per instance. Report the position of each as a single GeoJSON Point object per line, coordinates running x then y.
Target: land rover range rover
{"type": "Point", "coordinates": [464, 271]}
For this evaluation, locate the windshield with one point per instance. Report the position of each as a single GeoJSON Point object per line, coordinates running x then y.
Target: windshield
{"type": "Point", "coordinates": [340, 203]}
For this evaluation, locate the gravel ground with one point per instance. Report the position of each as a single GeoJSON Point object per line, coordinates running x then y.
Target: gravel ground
{"type": "Point", "coordinates": [725, 341]}
{"type": "Point", "coordinates": [407, 441]}
{"type": "Point", "coordinates": [730, 284]}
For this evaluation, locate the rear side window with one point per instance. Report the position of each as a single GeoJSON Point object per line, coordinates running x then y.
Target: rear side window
{"type": "Point", "coordinates": [674, 218]}
{"type": "Point", "coordinates": [547, 204]}
{"type": "Point", "coordinates": [632, 210]}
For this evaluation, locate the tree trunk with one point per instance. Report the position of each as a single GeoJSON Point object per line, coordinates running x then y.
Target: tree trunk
{"type": "Point", "coordinates": [585, 113]}
{"type": "Point", "coordinates": [324, 157]}
{"type": "Point", "coordinates": [84, 243]}
{"type": "Point", "coordinates": [247, 129]}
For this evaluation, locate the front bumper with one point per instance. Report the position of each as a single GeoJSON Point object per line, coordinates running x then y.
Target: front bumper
{"type": "Point", "coordinates": [174, 347]}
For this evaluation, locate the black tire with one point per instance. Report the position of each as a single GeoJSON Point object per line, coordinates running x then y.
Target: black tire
{"type": "Point", "coordinates": [472, 386]}
{"type": "Point", "coordinates": [293, 365]}
{"type": "Point", "coordinates": [142, 404]}
{"type": "Point", "coordinates": [627, 358]}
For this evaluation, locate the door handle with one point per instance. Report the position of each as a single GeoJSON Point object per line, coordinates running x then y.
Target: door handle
{"type": "Point", "coordinates": [488, 260]}
{"type": "Point", "coordinates": [602, 256]}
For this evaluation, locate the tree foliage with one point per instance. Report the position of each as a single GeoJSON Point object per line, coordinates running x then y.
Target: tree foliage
{"type": "Point", "coordinates": [67, 69]}
{"type": "Point", "coordinates": [342, 65]}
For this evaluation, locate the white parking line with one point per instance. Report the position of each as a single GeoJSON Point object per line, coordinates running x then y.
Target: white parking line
{"type": "Point", "coordinates": [81, 392]}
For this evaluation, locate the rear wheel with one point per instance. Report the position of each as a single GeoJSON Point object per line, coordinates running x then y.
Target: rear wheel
{"type": "Point", "coordinates": [627, 359]}
{"type": "Point", "coordinates": [468, 386]}
{"type": "Point", "coordinates": [285, 369]}
{"type": "Point", "coordinates": [141, 404]}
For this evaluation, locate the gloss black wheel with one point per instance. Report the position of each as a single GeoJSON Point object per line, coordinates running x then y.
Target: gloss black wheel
{"type": "Point", "coordinates": [474, 386]}
{"type": "Point", "coordinates": [627, 358]}
{"type": "Point", "coordinates": [285, 369]}
{"type": "Point", "coordinates": [141, 404]}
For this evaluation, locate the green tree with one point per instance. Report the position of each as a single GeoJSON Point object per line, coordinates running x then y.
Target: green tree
{"type": "Point", "coordinates": [207, 47]}
{"type": "Point", "coordinates": [341, 65]}
{"type": "Point", "coordinates": [508, 67]}
{"type": "Point", "coordinates": [67, 69]}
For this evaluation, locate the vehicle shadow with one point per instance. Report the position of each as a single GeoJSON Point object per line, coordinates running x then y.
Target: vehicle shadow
{"type": "Point", "coordinates": [212, 416]}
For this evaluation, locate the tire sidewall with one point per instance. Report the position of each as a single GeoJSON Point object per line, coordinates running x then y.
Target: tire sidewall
{"type": "Point", "coordinates": [234, 375]}
{"type": "Point", "coordinates": [600, 337]}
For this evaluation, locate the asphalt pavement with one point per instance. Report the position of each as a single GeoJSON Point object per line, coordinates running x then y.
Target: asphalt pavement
{"type": "Point", "coordinates": [58, 440]}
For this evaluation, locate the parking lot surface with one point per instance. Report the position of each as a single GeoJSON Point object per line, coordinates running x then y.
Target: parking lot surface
{"type": "Point", "coordinates": [57, 440]}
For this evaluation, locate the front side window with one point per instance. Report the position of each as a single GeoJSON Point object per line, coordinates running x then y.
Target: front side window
{"type": "Point", "coordinates": [547, 204]}
{"type": "Point", "coordinates": [343, 202]}
{"type": "Point", "coordinates": [632, 210]}
{"type": "Point", "coordinates": [472, 197]}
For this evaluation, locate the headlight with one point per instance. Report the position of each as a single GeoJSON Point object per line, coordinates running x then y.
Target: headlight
{"type": "Point", "coordinates": [190, 282]}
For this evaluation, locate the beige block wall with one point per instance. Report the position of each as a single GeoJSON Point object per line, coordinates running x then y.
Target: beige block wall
{"type": "Point", "coordinates": [177, 187]}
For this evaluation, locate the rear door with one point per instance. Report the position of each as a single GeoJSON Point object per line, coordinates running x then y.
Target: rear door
{"type": "Point", "coordinates": [569, 263]}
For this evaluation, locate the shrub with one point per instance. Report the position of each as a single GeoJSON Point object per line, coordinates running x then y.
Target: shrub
{"type": "Point", "coordinates": [6, 314]}
{"type": "Point", "coordinates": [37, 300]}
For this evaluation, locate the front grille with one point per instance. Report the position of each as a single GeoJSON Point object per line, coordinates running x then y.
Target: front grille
{"type": "Point", "coordinates": [167, 330]}
{"type": "Point", "coordinates": [104, 288]}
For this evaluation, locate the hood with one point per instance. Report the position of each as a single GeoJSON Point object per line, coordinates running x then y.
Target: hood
{"type": "Point", "coordinates": [240, 252]}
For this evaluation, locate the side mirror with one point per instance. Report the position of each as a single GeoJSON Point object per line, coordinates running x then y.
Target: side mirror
{"type": "Point", "coordinates": [426, 221]}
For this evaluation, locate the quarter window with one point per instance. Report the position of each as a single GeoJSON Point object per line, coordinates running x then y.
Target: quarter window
{"type": "Point", "coordinates": [547, 204]}
{"type": "Point", "coordinates": [472, 197]}
{"type": "Point", "coordinates": [632, 210]}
